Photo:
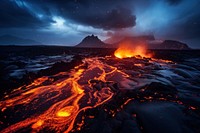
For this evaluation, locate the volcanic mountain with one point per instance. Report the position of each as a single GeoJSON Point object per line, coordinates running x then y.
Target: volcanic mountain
{"type": "Point", "coordinates": [170, 44]}
{"type": "Point", "coordinates": [13, 40]}
{"type": "Point", "coordinates": [92, 42]}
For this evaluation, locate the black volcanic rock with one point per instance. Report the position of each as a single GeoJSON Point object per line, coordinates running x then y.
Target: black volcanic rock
{"type": "Point", "coordinates": [13, 40]}
{"type": "Point", "coordinates": [156, 88]}
{"type": "Point", "coordinates": [92, 42]}
{"type": "Point", "coordinates": [170, 44]}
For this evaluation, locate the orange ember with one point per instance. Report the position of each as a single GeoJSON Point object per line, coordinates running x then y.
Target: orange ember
{"type": "Point", "coordinates": [127, 50]}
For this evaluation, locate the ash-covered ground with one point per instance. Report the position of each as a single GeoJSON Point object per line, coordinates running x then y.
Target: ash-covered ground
{"type": "Point", "coordinates": [63, 89]}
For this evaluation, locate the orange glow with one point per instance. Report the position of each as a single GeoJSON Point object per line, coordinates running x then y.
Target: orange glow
{"type": "Point", "coordinates": [77, 88]}
{"type": "Point", "coordinates": [91, 117]}
{"type": "Point", "coordinates": [65, 112]}
{"type": "Point", "coordinates": [139, 65]}
{"type": "Point", "coordinates": [128, 49]}
{"type": "Point", "coordinates": [37, 124]}
{"type": "Point", "coordinates": [3, 109]}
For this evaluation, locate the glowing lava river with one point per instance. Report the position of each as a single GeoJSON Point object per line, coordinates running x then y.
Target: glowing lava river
{"type": "Point", "coordinates": [60, 102]}
{"type": "Point", "coordinates": [66, 97]}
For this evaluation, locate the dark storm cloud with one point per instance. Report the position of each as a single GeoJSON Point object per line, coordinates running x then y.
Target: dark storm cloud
{"type": "Point", "coordinates": [187, 22]}
{"type": "Point", "coordinates": [174, 2]}
{"type": "Point", "coordinates": [101, 14]}
{"type": "Point", "coordinates": [111, 19]}
{"type": "Point", "coordinates": [12, 15]}
{"type": "Point", "coordinates": [189, 28]}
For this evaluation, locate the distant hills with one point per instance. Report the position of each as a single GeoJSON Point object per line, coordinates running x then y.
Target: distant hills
{"type": "Point", "coordinates": [170, 44]}
{"type": "Point", "coordinates": [94, 42]}
{"type": "Point", "coordinates": [13, 40]}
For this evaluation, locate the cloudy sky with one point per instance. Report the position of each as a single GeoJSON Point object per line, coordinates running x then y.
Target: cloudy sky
{"type": "Point", "coordinates": [68, 21]}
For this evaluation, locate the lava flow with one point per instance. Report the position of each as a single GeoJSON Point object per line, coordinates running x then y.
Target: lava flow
{"type": "Point", "coordinates": [128, 49]}
{"type": "Point", "coordinates": [57, 103]}
{"type": "Point", "coordinates": [53, 103]}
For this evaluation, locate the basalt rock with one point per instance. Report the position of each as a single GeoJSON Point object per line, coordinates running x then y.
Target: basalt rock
{"type": "Point", "coordinates": [159, 90]}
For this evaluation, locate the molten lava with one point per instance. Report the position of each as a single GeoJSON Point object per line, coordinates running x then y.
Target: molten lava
{"type": "Point", "coordinates": [61, 100]}
{"type": "Point", "coordinates": [65, 112]}
{"type": "Point", "coordinates": [37, 124]}
{"type": "Point", "coordinates": [55, 103]}
{"type": "Point", "coordinates": [128, 49]}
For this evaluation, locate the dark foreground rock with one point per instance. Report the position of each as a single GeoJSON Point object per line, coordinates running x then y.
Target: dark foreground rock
{"type": "Point", "coordinates": [159, 117]}
{"type": "Point", "coordinates": [159, 89]}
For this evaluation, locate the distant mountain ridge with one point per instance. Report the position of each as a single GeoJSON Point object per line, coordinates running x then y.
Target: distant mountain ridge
{"type": "Point", "coordinates": [170, 44]}
{"type": "Point", "coordinates": [94, 42]}
{"type": "Point", "coordinates": [14, 40]}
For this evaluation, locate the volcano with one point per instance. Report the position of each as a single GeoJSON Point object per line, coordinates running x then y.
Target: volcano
{"type": "Point", "coordinates": [92, 42]}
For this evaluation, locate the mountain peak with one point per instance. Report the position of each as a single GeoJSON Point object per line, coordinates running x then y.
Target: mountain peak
{"type": "Point", "coordinates": [91, 41]}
